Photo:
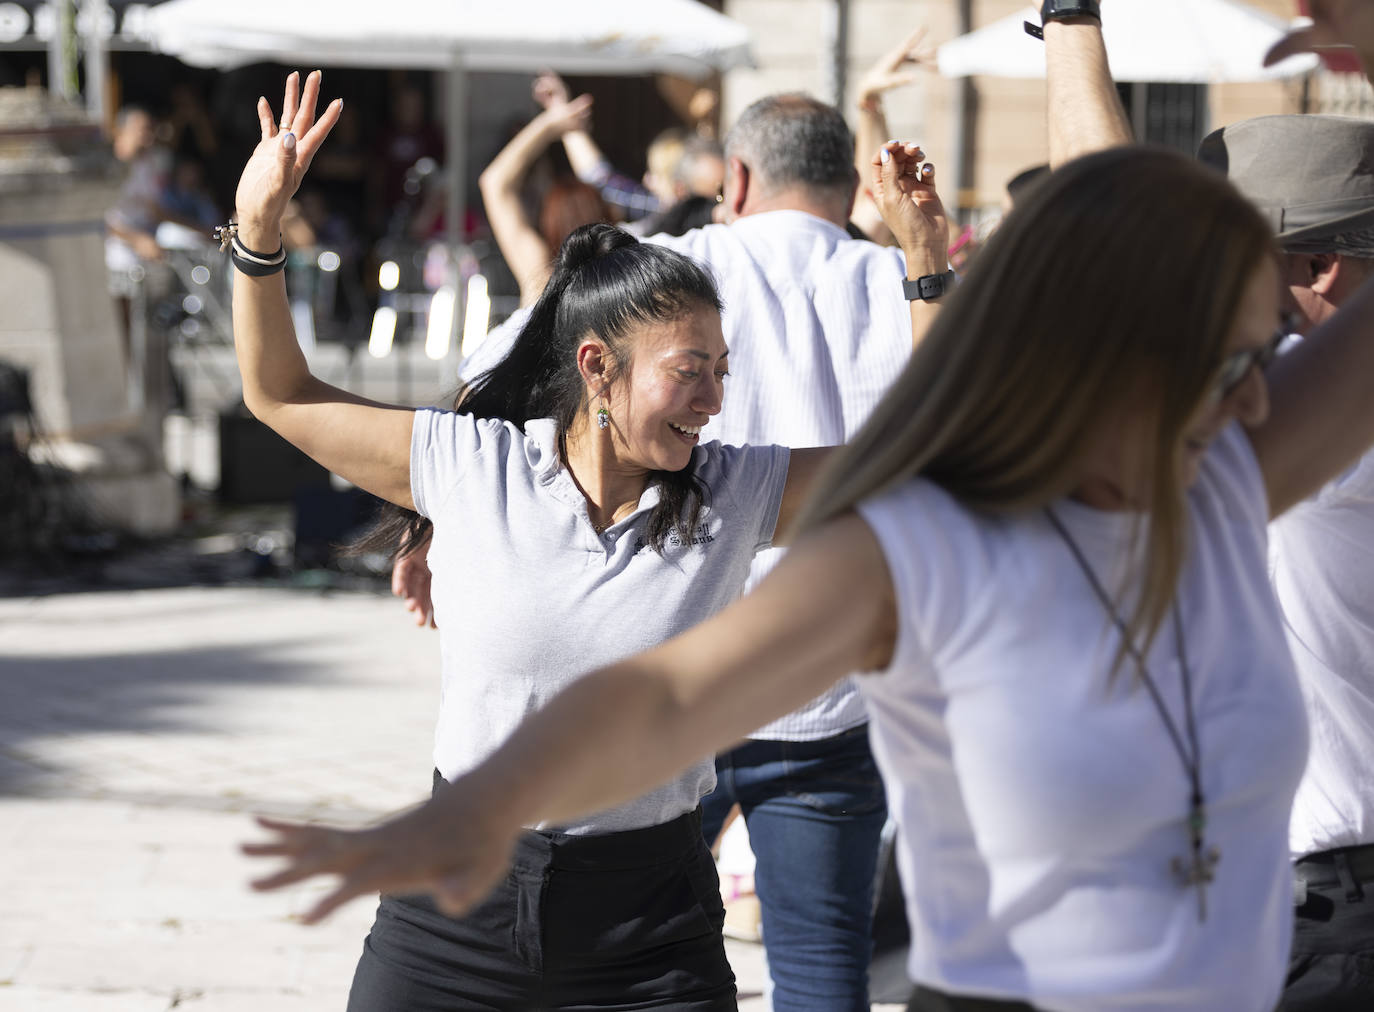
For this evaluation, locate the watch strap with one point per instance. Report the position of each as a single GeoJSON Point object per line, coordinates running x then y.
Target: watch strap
{"type": "Point", "coordinates": [928, 287]}
{"type": "Point", "coordinates": [1060, 10]}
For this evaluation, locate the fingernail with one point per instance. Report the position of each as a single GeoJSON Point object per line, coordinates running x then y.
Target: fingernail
{"type": "Point", "coordinates": [884, 154]}
{"type": "Point", "coordinates": [288, 141]}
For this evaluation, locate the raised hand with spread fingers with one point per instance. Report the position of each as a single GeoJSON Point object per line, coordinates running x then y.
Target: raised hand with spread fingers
{"type": "Point", "coordinates": [281, 159]}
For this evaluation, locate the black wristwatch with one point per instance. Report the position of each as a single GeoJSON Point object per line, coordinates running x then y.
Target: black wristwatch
{"type": "Point", "coordinates": [1060, 10]}
{"type": "Point", "coordinates": [929, 287]}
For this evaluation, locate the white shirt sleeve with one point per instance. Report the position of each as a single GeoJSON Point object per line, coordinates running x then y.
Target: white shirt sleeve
{"type": "Point", "coordinates": [749, 482]}
{"type": "Point", "coordinates": [442, 445]}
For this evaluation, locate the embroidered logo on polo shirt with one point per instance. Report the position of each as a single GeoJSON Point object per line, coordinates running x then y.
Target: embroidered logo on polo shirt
{"type": "Point", "coordinates": [701, 535]}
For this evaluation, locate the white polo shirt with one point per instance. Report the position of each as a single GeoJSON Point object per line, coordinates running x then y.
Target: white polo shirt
{"type": "Point", "coordinates": [818, 329]}
{"type": "Point", "coordinates": [529, 597]}
{"type": "Point", "coordinates": [1040, 801]}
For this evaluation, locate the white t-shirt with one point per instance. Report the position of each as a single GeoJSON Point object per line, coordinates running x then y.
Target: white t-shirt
{"type": "Point", "coordinates": [1322, 559]}
{"type": "Point", "coordinates": [1041, 801]}
{"type": "Point", "coordinates": [529, 597]}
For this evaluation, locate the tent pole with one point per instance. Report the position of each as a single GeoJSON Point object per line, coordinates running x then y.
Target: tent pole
{"type": "Point", "coordinates": [62, 51]}
{"type": "Point", "coordinates": [97, 58]}
{"type": "Point", "coordinates": [962, 115]}
{"type": "Point", "coordinates": [455, 168]}
{"type": "Point", "coordinates": [837, 42]}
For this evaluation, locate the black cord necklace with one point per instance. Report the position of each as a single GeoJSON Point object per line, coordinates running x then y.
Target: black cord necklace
{"type": "Point", "coordinates": [1200, 867]}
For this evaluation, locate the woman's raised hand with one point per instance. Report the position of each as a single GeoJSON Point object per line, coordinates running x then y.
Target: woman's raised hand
{"type": "Point", "coordinates": [443, 848]}
{"type": "Point", "coordinates": [904, 191]}
{"type": "Point", "coordinates": [279, 162]}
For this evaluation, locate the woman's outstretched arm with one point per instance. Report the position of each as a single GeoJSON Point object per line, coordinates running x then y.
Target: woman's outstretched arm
{"type": "Point", "coordinates": [827, 610]}
{"type": "Point", "coordinates": [366, 442]}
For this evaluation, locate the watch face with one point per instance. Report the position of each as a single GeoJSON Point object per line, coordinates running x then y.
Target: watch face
{"type": "Point", "coordinates": [1070, 9]}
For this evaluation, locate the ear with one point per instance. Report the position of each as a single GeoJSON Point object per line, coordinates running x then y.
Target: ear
{"type": "Point", "coordinates": [592, 363]}
{"type": "Point", "coordinates": [736, 188]}
{"type": "Point", "coordinates": [1324, 272]}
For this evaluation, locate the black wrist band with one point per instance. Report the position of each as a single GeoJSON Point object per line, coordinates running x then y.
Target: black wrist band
{"type": "Point", "coordinates": [1062, 10]}
{"type": "Point", "coordinates": [254, 264]}
{"type": "Point", "coordinates": [929, 287]}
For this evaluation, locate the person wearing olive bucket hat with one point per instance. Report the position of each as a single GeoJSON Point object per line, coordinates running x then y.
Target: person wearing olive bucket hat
{"type": "Point", "coordinates": [1313, 177]}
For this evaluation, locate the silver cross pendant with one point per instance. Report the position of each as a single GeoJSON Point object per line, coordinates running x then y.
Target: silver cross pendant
{"type": "Point", "coordinates": [1200, 868]}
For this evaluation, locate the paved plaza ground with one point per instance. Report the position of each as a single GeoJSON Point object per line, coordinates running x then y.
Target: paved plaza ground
{"type": "Point", "coordinates": [139, 728]}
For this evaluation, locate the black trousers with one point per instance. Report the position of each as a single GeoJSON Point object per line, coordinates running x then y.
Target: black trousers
{"type": "Point", "coordinates": [1332, 964]}
{"type": "Point", "coordinates": [622, 921]}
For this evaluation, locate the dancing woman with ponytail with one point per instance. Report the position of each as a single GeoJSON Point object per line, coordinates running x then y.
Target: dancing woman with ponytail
{"type": "Point", "coordinates": [576, 516]}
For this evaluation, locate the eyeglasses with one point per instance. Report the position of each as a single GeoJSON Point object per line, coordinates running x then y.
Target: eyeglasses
{"type": "Point", "coordinates": [1236, 366]}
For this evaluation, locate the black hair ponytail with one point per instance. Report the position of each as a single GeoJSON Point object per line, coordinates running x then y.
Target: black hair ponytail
{"type": "Point", "coordinates": [605, 282]}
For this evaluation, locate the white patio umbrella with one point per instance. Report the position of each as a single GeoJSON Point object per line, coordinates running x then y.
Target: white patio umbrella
{"type": "Point", "coordinates": [574, 36]}
{"type": "Point", "coordinates": [1169, 41]}
{"type": "Point", "coordinates": [681, 37]}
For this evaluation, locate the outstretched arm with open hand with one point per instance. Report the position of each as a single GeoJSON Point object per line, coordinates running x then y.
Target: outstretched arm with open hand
{"type": "Point", "coordinates": [366, 442]}
{"type": "Point", "coordinates": [827, 610]}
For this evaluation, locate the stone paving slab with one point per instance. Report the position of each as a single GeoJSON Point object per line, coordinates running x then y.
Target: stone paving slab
{"type": "Point", "coordinates": [139, 729]}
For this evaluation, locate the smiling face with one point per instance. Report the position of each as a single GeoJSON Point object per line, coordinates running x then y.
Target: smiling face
{"type": "Point", "coordinates": [675, 383]}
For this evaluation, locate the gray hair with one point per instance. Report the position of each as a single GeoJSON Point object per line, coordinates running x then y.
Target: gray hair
{"type": "Point", "coordinates": [694, 150]}
{"type": "Point", "coordinates": [793, 139]}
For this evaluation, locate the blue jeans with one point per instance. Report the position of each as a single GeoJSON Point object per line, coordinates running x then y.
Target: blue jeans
{"type": "Point", "coordinates": [815, 812]}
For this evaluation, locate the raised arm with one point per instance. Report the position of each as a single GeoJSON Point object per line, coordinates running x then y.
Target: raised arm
{"type": "Point", "coordinates": [366, 442]}
{"type": "Point", "coordinates": [1336, 24]}
{"type": "Point", "coordinates": [587, 159]}
{"type": "Point", "coordinates": [828, 609]}
{"type": "Point", "coordinates": [1085, 111]}
{"type": "Point", "coordinates": [1321, 415]}
{"type": "Point", "coordinates": [904, 192]}
{"type": "Point", "coordinates": [526, 252]}
{"type": "Point", "coordinates": [584, 154]}
{"type": "Point", "coordinates": [894, 69]}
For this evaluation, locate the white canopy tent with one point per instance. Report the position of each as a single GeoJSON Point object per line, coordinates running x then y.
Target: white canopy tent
{"type": "Point", "coordinates": [1164, 41]}
{"type": "Point", "coordinates": [681, 37]}
{"type": "Point", "coordinates": [582, 37]}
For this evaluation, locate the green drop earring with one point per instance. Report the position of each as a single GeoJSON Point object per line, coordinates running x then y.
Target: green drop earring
{"type": "Point", "coordinates": [603, 417]}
